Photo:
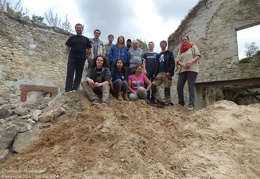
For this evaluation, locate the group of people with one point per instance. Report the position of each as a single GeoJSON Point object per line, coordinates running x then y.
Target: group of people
{"type": "Point", "coordinates": [127, 72]}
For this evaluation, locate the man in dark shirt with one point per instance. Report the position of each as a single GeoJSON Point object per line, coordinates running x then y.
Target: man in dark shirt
{"type": "Point", "coordinates": [150, 60]}
{"type": "Point", "coordinates": [78, 46]}
{"type": "Point", "coordinates": [164, 74]}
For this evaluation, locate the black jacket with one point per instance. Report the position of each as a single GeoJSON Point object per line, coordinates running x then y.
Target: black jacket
{"type": "Point", "coordinates": [104, 76]}
{"type": "Point", "coordinates": [169, 63]}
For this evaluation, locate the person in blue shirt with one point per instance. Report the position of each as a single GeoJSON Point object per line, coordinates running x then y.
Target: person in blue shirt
{"type": "Point", "coordinates": [118, 51]}
{"type": "Point", "coordinates": [118, 82]}
{"type": "Point", "coordinates": [150, 60]}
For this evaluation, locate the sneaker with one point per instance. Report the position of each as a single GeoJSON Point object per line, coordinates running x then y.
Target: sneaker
{"type": "Point", "coordinates": [190, 107]}
{"type": "Point", "coordinates": [95, 101]}
{"type": "Point", "coordinates": [160, 104]}
{"type": "Point", "coordinates": [103, 103]}
{"type": "Point", "coordinates": [169, 104]}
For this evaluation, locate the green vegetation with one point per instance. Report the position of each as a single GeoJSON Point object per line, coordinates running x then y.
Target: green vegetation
{"type": "Point", "coordinates": [53, 21]}
{"type": "Point", "coordinates": [17, 9]}
{"type": "Point", "coordinates": [37, 18]}
{"type": "Point", "coordinates": [142, 45]}
{"type": "Point", "coordinates": [251, 49]}
{"type": "Point", "coordinates": [244, 60]}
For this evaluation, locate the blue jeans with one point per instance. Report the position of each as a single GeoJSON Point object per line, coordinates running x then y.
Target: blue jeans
{"type": "Point", "coordinates": [120, 85]}
{"type": "Point", "coordinates": [191, 77]}
{"type": "Point", "coordinates": [141, 94]}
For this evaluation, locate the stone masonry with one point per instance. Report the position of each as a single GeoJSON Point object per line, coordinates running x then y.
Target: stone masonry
{"type": "Point", "coordinates": [212, 25]}
{"type": "Point", "coordinates": [31, 53]}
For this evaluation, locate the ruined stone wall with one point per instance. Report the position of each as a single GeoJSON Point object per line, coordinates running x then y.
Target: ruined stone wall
{"type": "Point", "coordinates": [213, 30]}
{"type": "Point", "coordinates": [30, 53]}
{"type": "Point", "coordinates": [212, 26]}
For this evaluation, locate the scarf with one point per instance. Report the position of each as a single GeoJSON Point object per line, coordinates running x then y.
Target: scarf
{"type": "Point", "coordinates": [185, 47]}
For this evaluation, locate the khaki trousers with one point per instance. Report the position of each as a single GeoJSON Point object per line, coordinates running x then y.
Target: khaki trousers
{"type": "Point", "coordinates": [90, 90]}
{"type": "Point", "coordinates": [161, 78]}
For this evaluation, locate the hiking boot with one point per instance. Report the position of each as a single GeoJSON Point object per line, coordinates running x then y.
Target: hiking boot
{"type": "Point", "coordinates": [190, 107]}
{"type": "Point", "coordinates": [153, 101]}
{"type": "Point", "coordinates": [119, 96]}
{"type": "Point", "coordinates": [147, 101]}
{"type": "Point", "coordinates": [95, 101]}
{"type": "Point", "coordinates": [125, 97]}
{"type": "Point", "coordinates": [160, 105]}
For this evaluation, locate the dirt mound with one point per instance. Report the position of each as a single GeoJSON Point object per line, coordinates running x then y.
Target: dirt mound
{"type": "Point", "coordinates": [135, 140]}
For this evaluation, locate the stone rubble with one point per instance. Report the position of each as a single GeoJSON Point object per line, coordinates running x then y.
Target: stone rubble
{"type": "Point", "coordinates": [21, 123]}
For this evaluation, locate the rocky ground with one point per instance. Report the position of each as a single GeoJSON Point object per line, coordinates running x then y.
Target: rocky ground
{"type": "Point", "coordinates": [68, 138]}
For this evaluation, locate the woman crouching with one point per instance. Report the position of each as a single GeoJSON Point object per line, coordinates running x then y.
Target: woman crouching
{"type": "Point", "coordinates": [118, 82]}
{"type": "Point", "coordinates": [136, 84]}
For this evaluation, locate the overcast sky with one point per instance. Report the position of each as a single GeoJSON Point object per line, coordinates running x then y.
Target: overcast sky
{"type": "Point", "coordinates": [148, 20]}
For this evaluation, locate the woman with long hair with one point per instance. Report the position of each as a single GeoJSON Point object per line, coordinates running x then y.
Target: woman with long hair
{"type": "Point", "coordinates": [118, 51]}
{"type": "Point", "coordinates": [136, 84]}
{"type": "Point", "coordinates": [97, 80]}
{"type": "Point", "coordinates": [118, 82]}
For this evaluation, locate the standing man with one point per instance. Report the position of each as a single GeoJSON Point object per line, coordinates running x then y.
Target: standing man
{"type": "Point", "coordinates": [78, 46]}
{"type": "Point", "coordinates": [98, 47]}
{"type": "Point", "coordinates": [109, 45]}
{"type": "Point", "coordinates": [128, 44]}
{"type": "Point", "coordinates": [135, 56]}
{"type": "Point", "coordinates": [150, 60]}
{"type": "Point", "coordinates": [164, 74]}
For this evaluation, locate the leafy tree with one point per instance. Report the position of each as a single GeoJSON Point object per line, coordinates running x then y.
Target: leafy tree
{"type": "Point", "coordinates": [37, 18]}
{"type": "Point", "coordinates": [251, 49]}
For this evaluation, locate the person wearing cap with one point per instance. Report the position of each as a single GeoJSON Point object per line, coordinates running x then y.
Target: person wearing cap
{"type": "Point", "coordinates": [128, 44]}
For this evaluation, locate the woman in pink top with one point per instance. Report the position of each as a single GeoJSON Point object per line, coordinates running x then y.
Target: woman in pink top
{"type": "Point", "coordinates": [136, 84]}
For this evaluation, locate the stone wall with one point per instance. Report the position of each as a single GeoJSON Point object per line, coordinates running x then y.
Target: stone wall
{"type": "Point", "coordinates": [212, 26]}
{"type": "Point", "coordinates": [30, 53]}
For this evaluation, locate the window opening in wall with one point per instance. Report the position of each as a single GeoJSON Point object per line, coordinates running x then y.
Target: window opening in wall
{"type": "Point", "coordinates": [246, 39]}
